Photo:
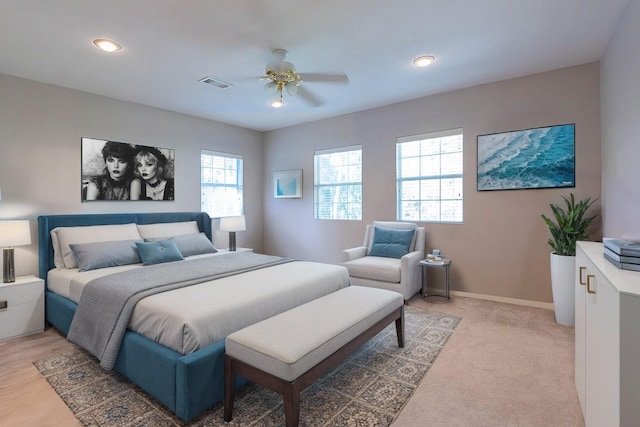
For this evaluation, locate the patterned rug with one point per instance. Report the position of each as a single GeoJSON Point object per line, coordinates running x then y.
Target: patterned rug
{"type": "Point", "coordinates": [369, 388]}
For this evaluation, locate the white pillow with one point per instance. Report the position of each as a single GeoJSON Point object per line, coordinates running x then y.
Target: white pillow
{"type": "Point", "coordinates": [90, 234]}
{"type": "Point", "coordinates": [167, 229]}
{"type": "Point", "coordinates": [57, 250]}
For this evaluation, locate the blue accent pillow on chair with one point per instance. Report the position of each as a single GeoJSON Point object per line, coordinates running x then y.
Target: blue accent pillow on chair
{"type": "Point", "coordinates": [391, 243]}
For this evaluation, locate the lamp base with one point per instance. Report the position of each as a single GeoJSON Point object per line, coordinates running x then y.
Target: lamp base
{"type": "Point", "coordinates": [232, 241]}
{"type": "Point", "coordinates": [8, 270]}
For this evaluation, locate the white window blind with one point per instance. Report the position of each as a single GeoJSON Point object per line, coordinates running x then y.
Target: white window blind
{"type": "Point", "coordinates": [429, 172]}
{"type": "Point", "coordinates": [338, 183]}
{"type": "Point", "coordinates": [221, 184]}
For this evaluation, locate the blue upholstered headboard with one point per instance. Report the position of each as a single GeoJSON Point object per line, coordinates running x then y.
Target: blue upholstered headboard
{"type": "Point", "coordinates": [46, 223]}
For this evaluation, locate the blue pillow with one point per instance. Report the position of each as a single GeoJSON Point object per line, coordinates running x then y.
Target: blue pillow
{"type": "Point", "coordinates": [159, 252]}
{"type": "Point", "coordinates": [91, 256]}
{"type": "Point", "coordinates": [391, 243]}
{"type": "Point", "coordinates": [190, 244]}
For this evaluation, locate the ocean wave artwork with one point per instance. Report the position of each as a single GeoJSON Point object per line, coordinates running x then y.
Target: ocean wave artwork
{"type": "Point", "coordinates": [531, 158]}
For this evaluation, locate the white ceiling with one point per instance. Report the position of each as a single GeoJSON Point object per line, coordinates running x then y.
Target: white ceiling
{"type": "Point", "coordinates": [171, 44]}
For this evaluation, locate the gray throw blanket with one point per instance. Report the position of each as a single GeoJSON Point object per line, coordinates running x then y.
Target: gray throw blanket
{"type": "Point", "coordinates": [106, 303]}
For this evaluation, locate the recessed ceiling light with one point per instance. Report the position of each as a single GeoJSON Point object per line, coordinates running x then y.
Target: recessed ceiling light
{"type": "Point", "coordinates": [424, 61]}
{"type": "Point", "coordinates": [107, 45]}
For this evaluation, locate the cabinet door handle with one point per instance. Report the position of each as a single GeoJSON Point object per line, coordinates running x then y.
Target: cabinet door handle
{"type": "Point", "coordinates": [589, 277]}
{"type": "Point", "coordinates": [581, 270]}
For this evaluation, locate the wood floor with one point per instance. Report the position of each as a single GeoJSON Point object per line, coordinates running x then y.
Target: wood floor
{"type": "Point", "coordinates": [26, 399]}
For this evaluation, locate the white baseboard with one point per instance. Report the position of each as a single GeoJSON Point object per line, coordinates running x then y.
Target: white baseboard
{"type": "Point", "coordinates": [538, 304]}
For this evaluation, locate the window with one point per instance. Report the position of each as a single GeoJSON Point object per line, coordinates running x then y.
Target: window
{"type": "Point", "coordinates": [429, 177]}
{"type": "Point", "coordinates": [221, 184]}
{"type": "Point", "coordinates": [337, 187]}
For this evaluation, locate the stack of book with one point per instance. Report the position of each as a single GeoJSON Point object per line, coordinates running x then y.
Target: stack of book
{"type": "Point", "coordinates": [622, 254]}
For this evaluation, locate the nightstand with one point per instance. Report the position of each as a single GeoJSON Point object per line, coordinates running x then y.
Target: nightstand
{"type": "Point", "coordinates": [21, 307]}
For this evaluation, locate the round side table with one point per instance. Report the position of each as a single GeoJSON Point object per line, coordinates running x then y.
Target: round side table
{"type": "Point", "coordinates": [439, 263]}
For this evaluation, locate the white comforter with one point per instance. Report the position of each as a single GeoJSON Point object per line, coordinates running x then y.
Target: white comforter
{"type": "Point", "coordinates": [194, 317]}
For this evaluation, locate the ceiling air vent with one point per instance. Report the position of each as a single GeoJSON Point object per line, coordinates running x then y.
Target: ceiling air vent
{"type": "Point", "coordinates": [215, 82]}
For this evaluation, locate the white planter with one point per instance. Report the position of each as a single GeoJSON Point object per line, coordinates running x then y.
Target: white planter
{"type": "Point", "coordinates": [563, 275]}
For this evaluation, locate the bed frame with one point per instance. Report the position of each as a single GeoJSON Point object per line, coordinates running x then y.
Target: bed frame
{"type": "Point", "coordinates": [186, 384]}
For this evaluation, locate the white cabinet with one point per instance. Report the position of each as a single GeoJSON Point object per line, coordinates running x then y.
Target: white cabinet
{"type": "Point", "coordinates": [607, 339]}
{"type": "Point", "coordinates": [21, 307]}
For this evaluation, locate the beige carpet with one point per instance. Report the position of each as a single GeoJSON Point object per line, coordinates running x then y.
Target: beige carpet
{"type": "Point", "coordinates": [370, 388]}
{"type": "Point", "coordinates": [506, 365]}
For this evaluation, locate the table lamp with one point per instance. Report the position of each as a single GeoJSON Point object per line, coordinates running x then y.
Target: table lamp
{"type": "Point", "coordinates": [233, 224]}
{"type": "Point", "coordinates": [12, 233]}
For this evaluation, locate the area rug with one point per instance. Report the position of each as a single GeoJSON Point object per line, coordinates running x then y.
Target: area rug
{"type": "Point", "coordinates": [369, 388]}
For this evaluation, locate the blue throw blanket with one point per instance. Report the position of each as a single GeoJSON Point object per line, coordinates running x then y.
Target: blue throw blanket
{"type": "Point", "coordinates": [106, 303]}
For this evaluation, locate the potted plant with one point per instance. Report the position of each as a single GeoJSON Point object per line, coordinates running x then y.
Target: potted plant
{"type": "Point", "coordinates": [571, 224]}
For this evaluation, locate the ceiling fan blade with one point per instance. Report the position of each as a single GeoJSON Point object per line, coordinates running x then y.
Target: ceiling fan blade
{"type": "Point", "coordinates": [325, 77]}
{"type": "Point", "coordinates": [309, 97]}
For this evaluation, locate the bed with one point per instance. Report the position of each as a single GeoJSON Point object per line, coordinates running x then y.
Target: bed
{"type": "Point", "coordinates": [183, 371]}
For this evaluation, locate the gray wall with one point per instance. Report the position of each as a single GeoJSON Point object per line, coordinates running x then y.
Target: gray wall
{"type": "Point", "coordinates": [620, 86]}
{"type": "Point", "coordinates": [41, 127]}
{"type": "Point", "coordinates": [501, 249]}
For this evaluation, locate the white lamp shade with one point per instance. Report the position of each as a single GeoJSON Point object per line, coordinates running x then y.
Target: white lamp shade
{"type": "Point", "coordinates": [233, 223]}
{"type": "Point", "coordinates": [14, 233]}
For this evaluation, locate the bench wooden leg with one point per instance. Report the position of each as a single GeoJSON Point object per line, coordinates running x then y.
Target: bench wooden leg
{"type": "Point", "coordinates": [291, 395]}
{"type": "Point", "coordinates": [400, 328]}
{"type": "Point", "coordinates": [229, 388]}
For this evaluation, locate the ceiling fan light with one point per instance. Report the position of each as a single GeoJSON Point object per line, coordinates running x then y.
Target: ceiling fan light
{"type": "Point", "coordinates": [107, 45]}
{"type": "Point", "coordinates": [292, 88]}
{"type": "Point", "coordinates": [276, 103]}
{"type": "Point", "coordinates": [271, 87]}
{"type": "Point", "coordinates": [424, 61]}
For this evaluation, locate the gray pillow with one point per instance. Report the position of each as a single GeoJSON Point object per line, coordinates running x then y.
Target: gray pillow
{"type": "Point", "coordinates": [190, 244]}
{"type": "Point", "coordinates": [91, 256]}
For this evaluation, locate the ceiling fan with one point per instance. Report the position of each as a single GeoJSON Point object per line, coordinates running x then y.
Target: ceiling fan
{"type": "Point", "coordinates": [281, 74]}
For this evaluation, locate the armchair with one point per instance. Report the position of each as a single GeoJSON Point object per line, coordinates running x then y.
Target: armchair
{"type": "Point", "coordinates": [401, 274]}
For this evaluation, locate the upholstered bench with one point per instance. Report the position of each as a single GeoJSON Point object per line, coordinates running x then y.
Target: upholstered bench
{"type": "Point", "coordinates": [288, 352]}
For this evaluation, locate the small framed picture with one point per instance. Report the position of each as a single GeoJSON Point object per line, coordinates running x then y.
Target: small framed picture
{"type": "Point", "coordinates": [287, 184]}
